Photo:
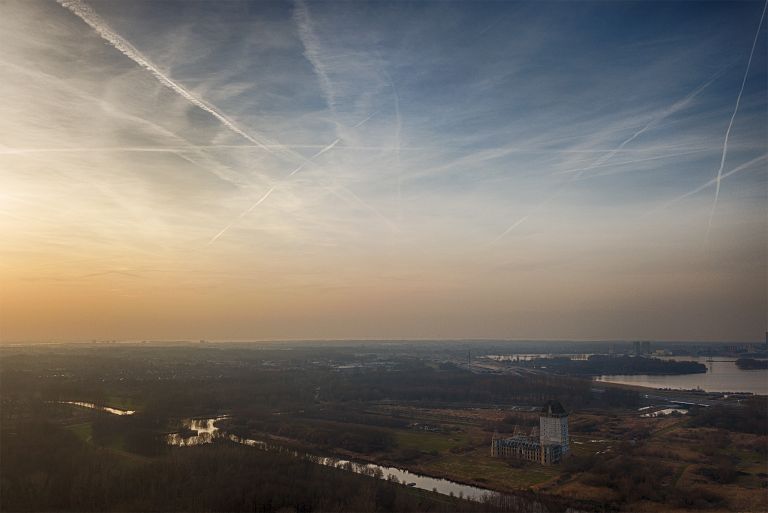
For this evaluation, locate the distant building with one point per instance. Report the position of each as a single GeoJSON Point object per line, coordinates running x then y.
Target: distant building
{"type": "Point", "coordinates": [549, 447]}
{"type": "Point", "coordinates": [641, 347]}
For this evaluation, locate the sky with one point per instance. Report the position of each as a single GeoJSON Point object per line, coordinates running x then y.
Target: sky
{"type": "Point", "coordinates": [252, 170]}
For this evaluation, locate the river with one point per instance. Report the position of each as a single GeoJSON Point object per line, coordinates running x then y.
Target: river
{"type": "Point", "coordinates": [92, 406]}
{"type": "Point", "coordinates": [207, 431]}
{"type": "Point", "coordinates": [722, 376]}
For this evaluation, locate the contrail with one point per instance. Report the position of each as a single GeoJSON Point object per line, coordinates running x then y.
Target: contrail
{"type": "Point", "coordinates": [361, 123]}
{"type": "Point", "coordinates": [330, 146]}
{"type": "Point", "coordinates": [176, 149]}
{"type": "Point", "coordinates": [604, 158]}
{"type": "Point", "coordinates": [730, 123]}
{"type": "Point", "coordinates": [52, 81]}
{"type": "Point", "coordinates": [511, 227]}
{"type": "Point", "coordinates": [664, 114]}
{"type": "Point", "coordinates": [398, 130]}
{"type": "Point", "coordinates": [629, 162]}
{"type": "Point", "coordinates": [713, 181]}
{"type": "Point", "coordinates": [270, 191]}
{"type": "Point", "coordinates": [242, 215]}
{"type": "Point", "coordinates": [89, 16]}
{"type": "Point", "coordinates": [309, 160]}
{"type": "Point", "coordinates": [311, 43]}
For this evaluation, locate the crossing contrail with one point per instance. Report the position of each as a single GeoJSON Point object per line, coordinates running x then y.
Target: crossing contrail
{"type": "Point", "coordinates": [266, 194]}
{"type": "Point", "coordinates": [307, 161]}
{"type": "Point", "coordinates": [89, 16]}
{"type": "Point", "coordinates": [242, 215]}
{"type": "Point", "coordinates": [730, 123]}
{"type": "Point", "coordinates": [715, 180]}
{"type": "Point", "coordinates": [271, 190]}
{"type": "Point", "coordinates": [678, 105]}
{"type": "Point", "coordinates": [600, 162]}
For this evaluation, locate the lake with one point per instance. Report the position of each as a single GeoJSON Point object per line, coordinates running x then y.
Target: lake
{"type": "Point", "coordinates": [722, 376]}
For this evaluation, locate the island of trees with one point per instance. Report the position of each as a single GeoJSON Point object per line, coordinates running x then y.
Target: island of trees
{"type": "Point", "coordinates": [751, 364]}
{"type": "Point", "coordinates": [598, 365]}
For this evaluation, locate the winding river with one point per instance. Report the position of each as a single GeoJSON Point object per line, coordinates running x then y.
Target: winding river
{"type": "Point", "coordinates": [199, 431]}
{"type": "Point", "coordinates": [206, 431]}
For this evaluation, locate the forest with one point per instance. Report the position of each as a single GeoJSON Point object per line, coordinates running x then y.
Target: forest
{"type": "Point", "coordinates": [751, 364]}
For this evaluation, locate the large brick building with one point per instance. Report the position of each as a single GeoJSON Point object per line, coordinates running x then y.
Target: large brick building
{"type": "Point", "coordinates": [551, 446]}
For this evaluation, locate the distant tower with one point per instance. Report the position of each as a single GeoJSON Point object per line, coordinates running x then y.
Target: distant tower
{"type": "Point", "coordinates": [553, 426]}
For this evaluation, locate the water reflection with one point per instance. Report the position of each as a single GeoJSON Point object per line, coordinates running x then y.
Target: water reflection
{"type": "Point", "coordinates": [722, 376]}
{"type": "Point", "coordinates": [405, 477]}
{"type": "Point", "coordinates": [664, 412]}
{"type": "Point", "coordinates": [206, 431]}
{"type": "Point", "coordinates": [93, 406]}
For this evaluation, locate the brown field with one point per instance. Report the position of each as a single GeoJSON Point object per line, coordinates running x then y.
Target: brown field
{"type": "Point", "coordinates": [460, 451]}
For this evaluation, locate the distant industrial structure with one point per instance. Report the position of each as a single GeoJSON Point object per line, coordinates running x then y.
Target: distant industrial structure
{"type": "Point", "coordinates": [548, 446]}
{"type": "Point", "coordinates": [641, 347]}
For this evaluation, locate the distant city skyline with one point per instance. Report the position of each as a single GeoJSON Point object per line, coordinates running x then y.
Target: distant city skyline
{"type": "Point", "coordinates": [258, 170]}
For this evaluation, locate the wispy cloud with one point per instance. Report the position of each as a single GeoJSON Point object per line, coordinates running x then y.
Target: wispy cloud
{"type": "Point", "coordinates": [607, 156]}
{"type": "Point", "coordinates": [89, 16]}
{"type": "Point", "coordinates": [312, 51]}
{"type": "Point", "coordinates": [387, 140]}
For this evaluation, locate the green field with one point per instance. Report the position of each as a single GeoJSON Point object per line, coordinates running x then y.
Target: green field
{"type": "Point", "coordinates": [479, 466]}
{"type": "Point", "coordinates": [428, 442]}
{"type": "Point", "coordinates": [120, 402]}
{"type": "Point", "coordinates": [83, 431]}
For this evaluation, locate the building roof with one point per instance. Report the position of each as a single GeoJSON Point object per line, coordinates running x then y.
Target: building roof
{"type": "Point", "coordinates": [553, 408]}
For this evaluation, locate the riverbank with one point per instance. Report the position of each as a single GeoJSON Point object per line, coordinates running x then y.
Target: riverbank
{"type": "Point", "coordinates": [723, 376]}
{"type": "Point", "coordinates": [690, 396]}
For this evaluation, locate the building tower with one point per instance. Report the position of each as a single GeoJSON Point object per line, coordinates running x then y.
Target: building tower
{"type": "Point", "coordinates": [553, 426]}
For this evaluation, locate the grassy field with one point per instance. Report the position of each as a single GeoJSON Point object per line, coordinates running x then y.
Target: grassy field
{"type": "Point", "coordinates": [478, 466]}
{"type": "Point", "coordinates": [440, 442]}
{"type": "Point", "coordinates": [122, 403]}
{"type": "Point", "coordinates": [585, 445]}
{"type": "Point", "coordinates": [462, 453]}
{"type": "Point", "coordinates": [83, 431]}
